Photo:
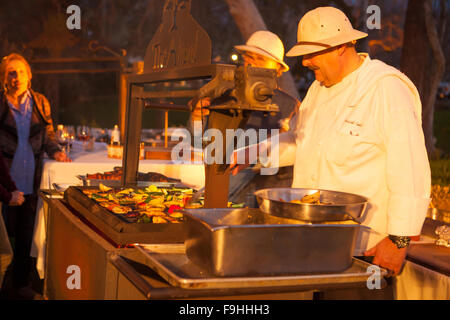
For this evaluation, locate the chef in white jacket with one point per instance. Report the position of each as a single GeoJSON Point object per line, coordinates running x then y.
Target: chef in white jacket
{"type": "Point", "coordinates": [358, 130]}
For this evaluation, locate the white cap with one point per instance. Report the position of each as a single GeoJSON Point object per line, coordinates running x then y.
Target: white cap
{"type": "Point", "coordinates": [323, 28]}
{"type": "Point", "coordinates": [267, 44]}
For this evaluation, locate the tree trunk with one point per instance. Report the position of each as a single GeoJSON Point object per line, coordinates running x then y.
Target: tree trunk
{"type": "Point", "coordinates": [437, 71]}
{"type": "Point", "coordinates": [423, 61]}
{"type": "Point", "coordinates": [249, 20]}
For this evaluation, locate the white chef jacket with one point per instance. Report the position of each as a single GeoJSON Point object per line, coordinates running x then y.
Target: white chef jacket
{"type": "Point", "coordinates": [363, 135]}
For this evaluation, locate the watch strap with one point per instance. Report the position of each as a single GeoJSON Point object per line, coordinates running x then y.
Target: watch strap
{"type": "Point", "coordinates": [400, 241]}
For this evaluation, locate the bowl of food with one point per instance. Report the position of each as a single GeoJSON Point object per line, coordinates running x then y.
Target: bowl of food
{"type": "Point", "coordinates": [312, 205]}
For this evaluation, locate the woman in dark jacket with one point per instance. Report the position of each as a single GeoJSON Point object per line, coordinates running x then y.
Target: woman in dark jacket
{"type": "Point", "coordinates": [26, 132]}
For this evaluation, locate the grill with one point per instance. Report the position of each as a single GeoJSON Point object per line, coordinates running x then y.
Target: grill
{"type": "Point", "coordinates": [121, 231]}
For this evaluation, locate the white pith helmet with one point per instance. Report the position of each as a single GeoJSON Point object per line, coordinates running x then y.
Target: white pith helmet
{"type": "Point", "coordinates": [323, 28]}
{"type": "Point", "coordinates": [267, 44]}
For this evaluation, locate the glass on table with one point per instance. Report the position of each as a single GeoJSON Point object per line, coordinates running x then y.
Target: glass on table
{"type": "Point", "coordinates": [89, 145]}
{"type": "Point", "coordinates": [62, 137]}
{"type": "Point", "coordinates": [71, 136]}
{"type": "Point", "coordinates": [83, 133]}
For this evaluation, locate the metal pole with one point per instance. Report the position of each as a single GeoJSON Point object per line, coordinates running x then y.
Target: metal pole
{"type": "Point", "coordinates": [166, 125]}
{"type": "Point", "coordinates": [122, 104]}
{"type": "Point", "coordinates": [133, 127]}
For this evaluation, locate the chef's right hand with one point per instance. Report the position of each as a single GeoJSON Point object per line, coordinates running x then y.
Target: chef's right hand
{"type": "Point", "coordinates": [243, 157]}
{"type": "Point", "coordinates": [199, 109]}
{"type": "Point", "coordinates": [234, 165]}
{"type": "Point", "coordinates": [17, 198]}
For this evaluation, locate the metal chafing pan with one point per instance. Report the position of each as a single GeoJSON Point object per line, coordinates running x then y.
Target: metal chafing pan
{"type": "Point", "coordinates": [249, 242]}
{"type": "Point", "coordinates": [438, 215]}
{"type": "Point", "coordinates": [172, 264]}
{"type": "Point", "coordinates": [342, 205]}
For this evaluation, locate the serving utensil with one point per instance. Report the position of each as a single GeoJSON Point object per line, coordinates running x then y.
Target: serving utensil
{"type": "Point", "coordinates": [195, 196]}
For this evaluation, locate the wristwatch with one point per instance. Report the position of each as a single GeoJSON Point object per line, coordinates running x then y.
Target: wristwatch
{"type": "Point", "coordinates": [400, 241]}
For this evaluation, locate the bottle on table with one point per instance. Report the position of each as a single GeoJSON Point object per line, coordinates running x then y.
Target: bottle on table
{"type": "Point", "coordinates": [115, 136]}
{"type": "Point", "coordinates": [115, 149]}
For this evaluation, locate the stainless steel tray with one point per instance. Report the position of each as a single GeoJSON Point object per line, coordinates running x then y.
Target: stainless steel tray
{"type": "Point", "coordinates": [171, 263]}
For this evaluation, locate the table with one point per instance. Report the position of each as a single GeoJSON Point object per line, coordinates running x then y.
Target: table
{"type": "Point", "coordinates": [97, 161]}
{"type": "Point", "coordinates": [426, 273]}
{"type": "Point", "coordinates": [417, 282]}
{"type": "Point", "coordinates": [83, 162]}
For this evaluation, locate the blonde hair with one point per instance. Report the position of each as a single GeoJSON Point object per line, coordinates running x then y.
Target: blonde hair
{"type": "Point", "coordinates": [5, 61]}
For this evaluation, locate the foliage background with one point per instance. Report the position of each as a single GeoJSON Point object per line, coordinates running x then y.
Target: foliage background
{"type": "Point", "coordinates": [37, 29]}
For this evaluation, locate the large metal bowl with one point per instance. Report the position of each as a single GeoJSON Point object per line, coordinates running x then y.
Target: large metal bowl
{"type": "Point", "coordinates": [343, 206]}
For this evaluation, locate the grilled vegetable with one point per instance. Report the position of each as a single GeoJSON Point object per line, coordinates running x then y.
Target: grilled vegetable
{"type": "Point", "coordinates": [149, 205]}
{"type": "Point", "coordinates": [104, 188]}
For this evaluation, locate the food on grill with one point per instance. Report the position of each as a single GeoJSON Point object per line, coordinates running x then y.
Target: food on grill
{"type": "Point", "coordinates": [156, 219]}
{"type": "Point", "coordinates": [150, 205]}
{"type": "Point", "coordinates": [104, 188]}
{"type": "Point", "coordinates": [176, 214]}
{"type": "Point", "coordinates": [310, 199]}
{"type": "Point", "coordinates": [117, 175]}
{"type": "Point", "coordinates": [194, 205]}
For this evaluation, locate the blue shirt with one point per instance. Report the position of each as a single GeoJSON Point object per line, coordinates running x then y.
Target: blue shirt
{"type": "Point", "coordinates": [23, 166]}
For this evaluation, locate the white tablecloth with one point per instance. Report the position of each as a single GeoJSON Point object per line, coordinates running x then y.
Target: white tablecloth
{"type": "Point", "coordinates": [417, 282]}
{"type": "Point", "coordinates": [83, 162]}
{"type": "Point", "coordinates": [98, 161]}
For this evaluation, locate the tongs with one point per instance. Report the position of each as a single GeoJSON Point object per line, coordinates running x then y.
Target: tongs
{"type": "Point", "coordinates": [195, 196]}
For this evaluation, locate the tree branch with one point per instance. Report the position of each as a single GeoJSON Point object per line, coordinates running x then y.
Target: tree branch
{"type": "Point", "coordinates": [443, 20]}
{"type": "Point", "coordinates": [241, 11]}
{"type": "Point", "coordinates": [148, 11]}
{"type": "Point", "coordinates": [249, 20]}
